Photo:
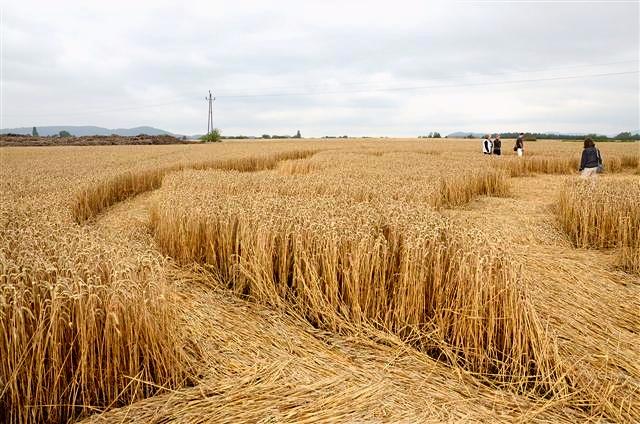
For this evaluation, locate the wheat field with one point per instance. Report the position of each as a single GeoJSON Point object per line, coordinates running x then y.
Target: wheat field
{"type": "Point", "coordinates": [360, 280]}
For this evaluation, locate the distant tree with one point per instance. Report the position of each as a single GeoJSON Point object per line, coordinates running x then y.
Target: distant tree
{"type": "Point", "coordinates": [212, 137]}
{"type": "Point", "coordinates": [237, 137]}
{"type": "Point", "coordinates": [266, 136]}
{"type": "Point", "coordinates": [594, 136]}
{"type": "Point", "coordinates": [436, 135]}
{"type": "Point", "coordinates": [430, 135]}
{"type": "Point", "coordinates": [184, 137]}
{"type": "Point", "coordinates": [470, 136]}
{"type": "Point", "coordinates": [627, 136]}
{"type": "Point", "coordinates": [64, 133]}
{"type": "Point", "coordinates": [34, 132]}
{"type": "Point", "coordinates": [298, 135]}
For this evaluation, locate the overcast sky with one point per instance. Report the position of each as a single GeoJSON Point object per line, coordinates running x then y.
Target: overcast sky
{"type": "Point", "coordinates": [401, 68]}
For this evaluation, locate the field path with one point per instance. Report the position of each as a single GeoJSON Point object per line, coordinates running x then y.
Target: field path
{"type": "Point", "coordinates": [603, 326]}
{"type": "Point", "coordinates": [591, 306]}
{"type": "Point", "coordinates": [250, 351]}
{"type": "Point", "coordinates": [129, 217]}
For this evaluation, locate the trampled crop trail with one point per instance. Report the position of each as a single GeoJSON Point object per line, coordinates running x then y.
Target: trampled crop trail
{"type": "Point", "coordinates": [93, 199]}
{"type": "Point", "coordinates": [264, 363]}
{"type": "Point", "coordinates": [527, 223]}
{"type": "Point", "coordinates": [147, 329]}
{"type": "Point", "coordinates": [294, 386]}
{"type": "Point", "coordinates": [556, 275]}
{"type": "Point", "coordinates": [583, 295]}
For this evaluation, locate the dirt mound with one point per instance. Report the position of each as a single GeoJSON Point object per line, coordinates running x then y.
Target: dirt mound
{"type": "Point", "coordinates": [91, 140]}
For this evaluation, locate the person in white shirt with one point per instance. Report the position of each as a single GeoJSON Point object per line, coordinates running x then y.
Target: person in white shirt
{"type": "Point", "coordinates": [487, 145]}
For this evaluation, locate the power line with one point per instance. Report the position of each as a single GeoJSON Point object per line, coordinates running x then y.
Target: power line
{"type": "Point", "coordinates": [360, 91]}
{"type": "Point", "coordinates": [425, 87]}
{"type": "Point", "coordinates": [307, 86]}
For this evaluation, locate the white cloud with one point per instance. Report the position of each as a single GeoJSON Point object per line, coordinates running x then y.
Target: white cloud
{"type": "Point", "coordinates": [119, 64]}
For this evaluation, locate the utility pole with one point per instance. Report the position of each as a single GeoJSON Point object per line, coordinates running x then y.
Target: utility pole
{"type": "Point", "coordinates": [210, 116]}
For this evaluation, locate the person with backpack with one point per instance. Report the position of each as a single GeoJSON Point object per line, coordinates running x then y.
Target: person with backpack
{"type": "Point", "coordinates": [519, 147]}
{"type": "Point", "coordinates": [487, 145]}
{"type": "Point", "coordinates": [497, 145]}
{"type": "Point", "coordinates": [591, 161]}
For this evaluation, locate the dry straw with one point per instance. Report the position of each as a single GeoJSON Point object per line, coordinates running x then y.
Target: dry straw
{"type": "Point", "coordinates": [347, 238]}
{"type": "Point", "coordinates": [459, 190]}
{"type": "Point", "coordinates": [76, 333]}
{"type": "Point", "coordinates": [452, 293]}
{"type": "Point", "coordinates": [604, 214]}
{"type": "Point", "coordinates": [521, 167]}
{"type": "Point", "coordinates": [269, 366]}
{"type": "Point", "coordinates": [92, 200]}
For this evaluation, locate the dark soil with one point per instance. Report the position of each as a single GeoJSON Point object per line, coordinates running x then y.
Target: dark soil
{"type": "Point", "coordinates": [92, 140]}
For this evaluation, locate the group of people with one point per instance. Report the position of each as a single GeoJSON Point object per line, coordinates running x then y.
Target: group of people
{"type": "Point", "coordinates": [590, 163]}
{"type": "Point", "coordinates": [492, 145]}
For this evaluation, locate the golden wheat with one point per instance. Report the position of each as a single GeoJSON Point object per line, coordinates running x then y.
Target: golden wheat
{"type": "Point", "coordinates": [346, 236]}
{"type": "Point", "coordinates": [601, 213]}
{"type": "Point", "coordinates": [604, 213]}
{"type": "Point", "coordinates": [458, 190]}
{"type": "Point", "coordinates": [391, 264]}
{"type": "Point", "coordinates": [92, 200]}
{"type": "Point", "coordinates": [77, 328]}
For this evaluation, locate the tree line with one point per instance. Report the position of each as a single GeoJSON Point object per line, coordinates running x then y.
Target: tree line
{"type": "Point", "coordinates": [623, 136]}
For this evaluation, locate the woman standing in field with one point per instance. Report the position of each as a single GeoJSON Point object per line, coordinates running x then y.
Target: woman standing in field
{"type": "Point", "coordinates": [591, 161]}
{"type": "Point", "coordinates": [497, 145]}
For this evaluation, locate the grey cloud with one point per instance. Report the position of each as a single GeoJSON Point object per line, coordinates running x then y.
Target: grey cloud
{"type": "Point", "coordinates": [71, 62]}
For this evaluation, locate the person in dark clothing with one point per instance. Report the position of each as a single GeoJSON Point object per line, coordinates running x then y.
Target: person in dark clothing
{"type": "Point", "coordinates": [519, 148]}
{"type": "Point", "coordinates": [591, 161]}
{"type": "Point", "coordinates": [497, 145]}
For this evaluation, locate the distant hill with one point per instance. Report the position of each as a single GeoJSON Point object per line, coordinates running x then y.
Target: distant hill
{"type": "Point", "coordinates": [87, 130]}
